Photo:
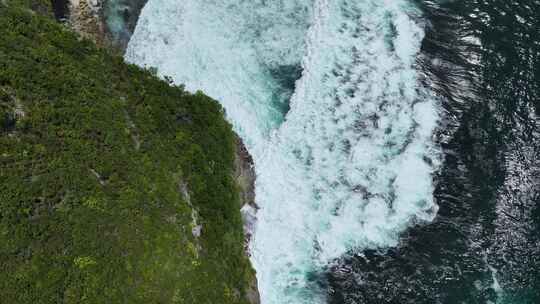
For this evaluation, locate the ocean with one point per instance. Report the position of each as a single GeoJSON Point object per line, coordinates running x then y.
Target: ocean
{"type": "Point", "coordinates": [396, 142]}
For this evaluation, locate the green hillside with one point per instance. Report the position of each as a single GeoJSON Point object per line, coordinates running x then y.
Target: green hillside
{"type": "Point", "coordinates": [106, 172]}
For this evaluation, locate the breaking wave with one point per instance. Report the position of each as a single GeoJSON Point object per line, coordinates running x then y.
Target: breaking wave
{"type": "Point", "coordinates": [326, 96]}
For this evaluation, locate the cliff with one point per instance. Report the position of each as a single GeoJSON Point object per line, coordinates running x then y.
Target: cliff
{"type": "Point", "coordinates": [111, 23]}
{"type": "Point", "coordinates": [117, 187]}
{"type": "Point", "coordinates": [108, 23]}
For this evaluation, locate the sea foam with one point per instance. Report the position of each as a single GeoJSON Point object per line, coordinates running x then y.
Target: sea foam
{"type": "Point", "coordinates": [349, 165]}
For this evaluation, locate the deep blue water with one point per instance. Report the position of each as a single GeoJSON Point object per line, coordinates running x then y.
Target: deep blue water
{"type": "Point", "coordinates": [483, 59]}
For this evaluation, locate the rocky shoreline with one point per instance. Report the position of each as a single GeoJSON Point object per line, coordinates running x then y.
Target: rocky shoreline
{"type": "Point", "coordinates": [109, 23]}
{"type": "Point", "coordinates": [245, 179]}
{"type": "Point", "coordinates": [89, 19]}
{"type": "Point", "coordinates": [85, 17]}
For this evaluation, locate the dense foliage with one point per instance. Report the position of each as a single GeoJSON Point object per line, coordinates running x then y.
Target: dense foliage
{"type": "Point", "coordinates": [95, 159]}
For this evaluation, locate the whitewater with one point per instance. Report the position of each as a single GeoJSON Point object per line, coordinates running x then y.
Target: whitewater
{"type": "Point", "coordinates": [327, 98]}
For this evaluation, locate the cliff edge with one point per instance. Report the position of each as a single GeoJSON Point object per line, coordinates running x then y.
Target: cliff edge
{"type": "Point", "coordinates": [117, 187]}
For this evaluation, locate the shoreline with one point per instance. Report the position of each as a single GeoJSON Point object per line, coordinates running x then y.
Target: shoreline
{"type": "Point", "coordinates": [88, 18]}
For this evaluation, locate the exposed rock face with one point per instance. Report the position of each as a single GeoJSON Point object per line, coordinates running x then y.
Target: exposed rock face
{"type": "Point", "coordinates": [107, 22]}
{"type": "Point", "coordinates": [244, 175]}
{"type": "Point", "coordinates": [245, 178]}
{"type": "Point", "coordinates": [85, 17]}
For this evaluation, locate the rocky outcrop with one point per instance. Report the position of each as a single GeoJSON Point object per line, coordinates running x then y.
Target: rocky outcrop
{"type": "Point", "coordinates": [109, 23]}
{"type": "Point", "coordinates": [245, 178]}
{"type": "Point", "coordinates": [244, 174]}
{"type": "Point", "coordinates": [85, 17]}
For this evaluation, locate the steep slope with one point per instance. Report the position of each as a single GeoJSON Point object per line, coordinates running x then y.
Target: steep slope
{"type": "Point", "coordinates": [116, 186]}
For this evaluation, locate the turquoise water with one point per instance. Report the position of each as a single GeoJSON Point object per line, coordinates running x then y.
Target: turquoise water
{"type": "Point", "coordinates": [482, 58]}
{"type": "Point", "coordinates": [121, 17]}
{"type": "Point", "coordinates": [396, 142]}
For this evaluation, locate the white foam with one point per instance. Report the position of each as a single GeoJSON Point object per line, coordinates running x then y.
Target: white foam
{"type": "Point", "coordinates": [347, 168]}
{"type": "Point", "coordinates": [225, 48]}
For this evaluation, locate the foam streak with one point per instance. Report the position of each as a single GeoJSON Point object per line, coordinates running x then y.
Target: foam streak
{"type": "Point", "coordinates": [350, 165]}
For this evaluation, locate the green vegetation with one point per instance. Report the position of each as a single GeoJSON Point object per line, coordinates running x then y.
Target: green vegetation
{"type": "Point", "coordinates": [95, 157]}
{"type": "Point", "coordinates": [43, 7]}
